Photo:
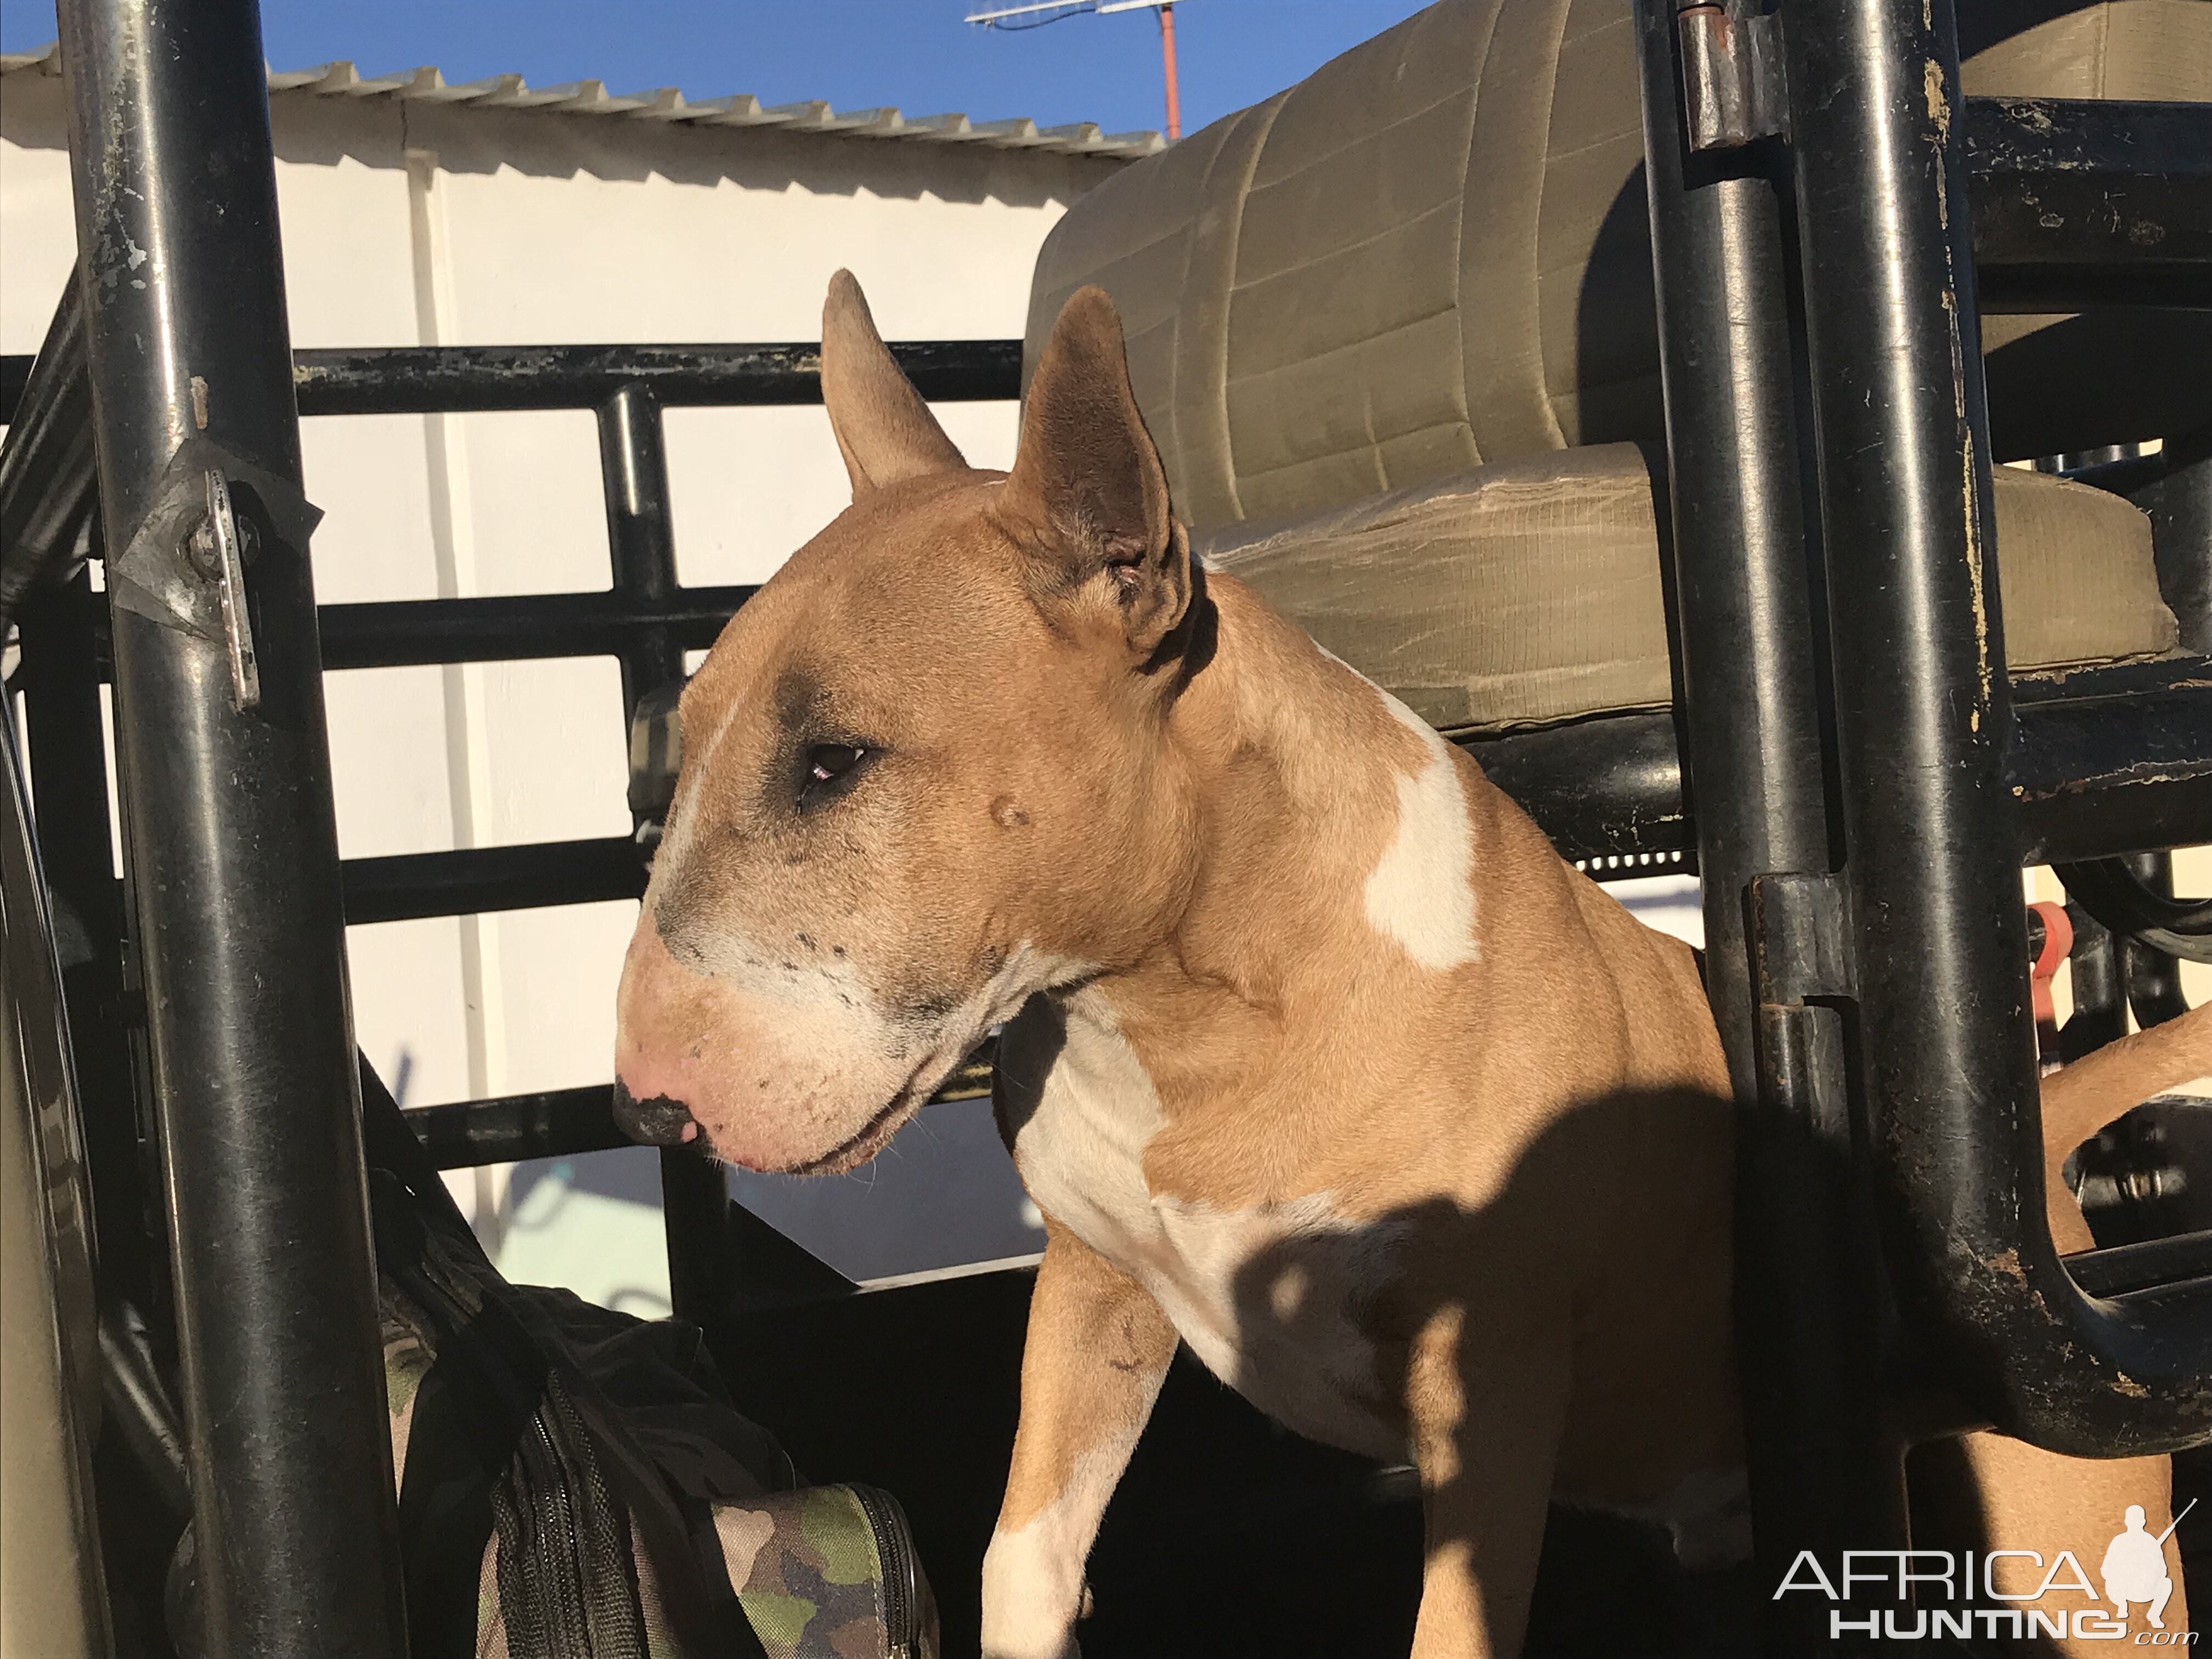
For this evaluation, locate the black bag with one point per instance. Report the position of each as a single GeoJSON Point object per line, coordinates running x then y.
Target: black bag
{"type": "Point", "coordinates": [574, 1483]}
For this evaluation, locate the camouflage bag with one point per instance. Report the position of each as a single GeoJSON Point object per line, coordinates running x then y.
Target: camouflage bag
{"type": "Point", "coordinates": [575, 1482]}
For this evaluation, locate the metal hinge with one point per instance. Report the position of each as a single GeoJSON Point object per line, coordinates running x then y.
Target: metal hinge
{"type": "Point", "coordinates": [1800, 938]}
{"type": "Point", "coordinates": [1732, 78]}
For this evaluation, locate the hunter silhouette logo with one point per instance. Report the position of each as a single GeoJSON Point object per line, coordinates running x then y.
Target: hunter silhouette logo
{"type": "Point", "coordinates": [1930, 1594]}
{"type": "Point", "coordinates": [2134, 1567]}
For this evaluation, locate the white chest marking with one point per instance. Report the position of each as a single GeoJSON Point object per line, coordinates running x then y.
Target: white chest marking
{"type": "Point", "coordinates": [1267, 1296]}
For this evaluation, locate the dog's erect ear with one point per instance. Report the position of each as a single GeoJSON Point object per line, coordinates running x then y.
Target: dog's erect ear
{"type": "Point", "coordinates": [1088, 493]}
{"type": "Point", "coordinates": [885, 430]}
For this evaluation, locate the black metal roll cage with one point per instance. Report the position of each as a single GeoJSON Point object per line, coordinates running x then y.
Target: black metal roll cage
{"type": "Point", "coordinates": [1828, 213]}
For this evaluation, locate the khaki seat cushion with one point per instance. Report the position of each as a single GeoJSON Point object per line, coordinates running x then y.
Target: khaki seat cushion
{"type": "Point", "coordinates": [1528, 592]}
{"type": "Point", "coordinates": [1433, 254]}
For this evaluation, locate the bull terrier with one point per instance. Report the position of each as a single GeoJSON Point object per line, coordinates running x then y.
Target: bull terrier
{"type": "Point", "coordinates": [1317, 1057]}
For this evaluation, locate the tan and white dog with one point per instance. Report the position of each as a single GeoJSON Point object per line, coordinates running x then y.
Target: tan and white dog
{"type": "Point", "coordinates": [1319, 1058]}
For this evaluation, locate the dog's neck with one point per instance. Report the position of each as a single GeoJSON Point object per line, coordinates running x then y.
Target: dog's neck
{"type": "Point", "coordinates": [1294, 765]}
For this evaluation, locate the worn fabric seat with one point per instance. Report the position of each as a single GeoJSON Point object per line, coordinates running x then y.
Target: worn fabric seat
{"type": "Point", "coordinates": [1394, 332]}
{"type": "Point", "coordinates": [1529, 592]}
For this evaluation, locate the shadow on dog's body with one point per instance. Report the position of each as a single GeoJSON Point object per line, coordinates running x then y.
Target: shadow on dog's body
{"type": "Point", "coordinates": [1320, 1059]}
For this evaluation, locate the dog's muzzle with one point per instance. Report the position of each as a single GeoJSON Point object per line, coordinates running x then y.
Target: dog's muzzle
{"type": "Point", "coordinates": [659, 1121]}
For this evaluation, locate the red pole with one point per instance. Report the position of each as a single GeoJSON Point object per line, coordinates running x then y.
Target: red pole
{"type": "Point", "coordinates": [1168, 63]}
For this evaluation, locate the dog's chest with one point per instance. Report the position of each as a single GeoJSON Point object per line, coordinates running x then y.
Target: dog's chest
{"type": "Point", "coordinates": [1269, 1297]}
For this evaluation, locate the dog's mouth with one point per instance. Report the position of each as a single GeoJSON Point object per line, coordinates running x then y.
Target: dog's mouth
{"type": "Point", "coordinates": [872, 1136]}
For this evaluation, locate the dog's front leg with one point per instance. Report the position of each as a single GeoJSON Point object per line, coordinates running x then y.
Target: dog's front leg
{"type": "Point", "coordinates": [1098, 1346]}
{"type": "Point", "coordinates": [1486, 1395]}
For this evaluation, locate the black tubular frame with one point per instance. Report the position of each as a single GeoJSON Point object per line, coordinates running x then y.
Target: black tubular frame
{"type": "Point", "coordinates": [1826, 1471]}
{"type": "Point", "coordinates": [1865, 788]}
{"type": "Point", "coordinates": [1929, 895]}
{"type": "Point", "coordinates": [235, 906]}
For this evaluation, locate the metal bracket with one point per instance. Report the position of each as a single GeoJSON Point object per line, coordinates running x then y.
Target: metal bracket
{"type": "Point", "coordinates": [184, 565]}
{"type": "Point", "coordinates": [216, 550]}
{"type": "Point", "coordinates": [1800, 938]}
{"type": "Point", "coordinates": [1732, 76]}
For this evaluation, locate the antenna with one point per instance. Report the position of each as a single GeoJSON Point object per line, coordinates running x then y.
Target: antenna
{"type": "Point", "coordinates": [1040, 13]}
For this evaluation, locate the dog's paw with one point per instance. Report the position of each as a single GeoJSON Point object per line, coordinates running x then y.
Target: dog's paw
{"type": "Point", "coordinates": [1001, 1642]}
{"type": "Point", "coordinates": [1031, 1599]}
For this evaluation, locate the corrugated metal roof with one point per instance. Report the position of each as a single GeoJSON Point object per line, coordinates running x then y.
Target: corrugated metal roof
{"type": "Point", "coordinates": [666, 104]}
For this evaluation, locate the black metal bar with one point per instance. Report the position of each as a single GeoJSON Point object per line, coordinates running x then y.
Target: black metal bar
{"type": "Point", "coordinates": [138, 1404]}
{"type": "Point", "coordinates": [2153, 982]}
{"type": "Point", "coordinates": [2100, 1011]}
{"type": "Point", "coordinates": [1740, 559]}
{"type": "Point", "coordinates": [412, 632]}
{"type": "Point", "coordinates": [47, 486]}
{"type": "Point", "coordinates": [1945, 1039]}
{"type": "Point", "coordinates": [454, 380]}
{"type": "Point", "coordinates": [1826, 1469]}
{"type": "Point", "coordinates": [69, 779]}
{"type": "Point", "coordinates": [475, 880]}
{"type": "Point", "coordinates": [2104, 762]}
{"type": "Point", "coordinates": [2130, 1268]}
{"type": "Point", "coordinates": [2092, 775]}
{"type": "Point", "coordinates": [707, 1270]}
{"type": "Point", "coordinates": [15, 382]}
{"type": "Point", "coordinates": [2153, 977]}
{"type": "Point", "coordinates": [2085, 202]}
{"type": "Point", "coordinates": [558, 1123]}
{"type": "Point", "coordinates": [641, 536]}
{"type": "Point", "coordinates": [234, 863]}
{"type": "Point", "coordinates": [408, 380]}
{"type": "Point", "coordinates": [506, 628]}
{"type": "Point", "coordinates": [1606, 785]}
{"type": "Point", "coordinates": [2136, 896]}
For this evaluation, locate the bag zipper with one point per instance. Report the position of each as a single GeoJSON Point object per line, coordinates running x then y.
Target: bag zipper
{"type": "Point", "coordinates": [554, 1576]}
{"type": "Point", "coordinates": [901, 1564]}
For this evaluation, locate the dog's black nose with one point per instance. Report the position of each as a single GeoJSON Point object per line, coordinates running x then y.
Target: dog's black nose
{"type": "Point", "coordinates": [659, 1121]}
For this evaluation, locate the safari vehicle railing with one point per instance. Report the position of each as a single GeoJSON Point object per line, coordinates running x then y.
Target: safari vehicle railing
{"type": "Point", "coordinates": [1865, 769]}
{"type": "Point", "coordinates": [1866, 782]}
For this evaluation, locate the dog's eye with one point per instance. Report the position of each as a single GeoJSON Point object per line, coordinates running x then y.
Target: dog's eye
{"type": "Point", "coordinates": [827, 761]}
{"type": "Point", "coordinates": [828, 770]}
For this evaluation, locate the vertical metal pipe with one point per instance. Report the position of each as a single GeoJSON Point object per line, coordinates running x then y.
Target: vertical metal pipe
{"type": "Point", "coordinates": [233, 845]}
{"type": "Point", "coordinates": [694, 1201]}
{"type": "Point", "coordinates": [1825, 1474]}
{"type": "Point", "coordinates": [68, 774]}
{"type": "Point", "coordinates": [1741, 556]}
{"type": "Point", "coordinates": [1945, 1038]}
{"type": "Point", "coordinates": [641, 531]}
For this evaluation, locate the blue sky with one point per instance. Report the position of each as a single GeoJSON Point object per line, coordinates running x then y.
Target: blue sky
{"type": "Point", "coordinates": [915, 54]}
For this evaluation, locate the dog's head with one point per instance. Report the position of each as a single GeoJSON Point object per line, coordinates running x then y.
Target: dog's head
{"type": "Point", "coordinates": [925, 769]}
